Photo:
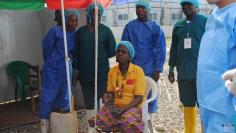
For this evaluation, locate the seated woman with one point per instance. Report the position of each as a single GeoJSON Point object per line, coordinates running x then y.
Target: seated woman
{"type": "Point", "coordinates": [126, 90]}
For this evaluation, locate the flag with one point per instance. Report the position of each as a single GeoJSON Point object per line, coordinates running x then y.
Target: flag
{"type": "Point", "coordinates": [76, 4]}
{"type": "Point", "coordinates": [22, 4]}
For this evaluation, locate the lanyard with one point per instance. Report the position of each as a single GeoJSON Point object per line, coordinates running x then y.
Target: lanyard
{"type": "Point", "coordinates": [189, 23]}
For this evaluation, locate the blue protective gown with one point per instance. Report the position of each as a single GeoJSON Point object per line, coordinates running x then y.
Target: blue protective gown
{"type": "Point", "coordinates": [217, 54]}
{"type": "Point", "coordinates": [149, 43]}
{"type": "Point", "coordinates": [54, 93]}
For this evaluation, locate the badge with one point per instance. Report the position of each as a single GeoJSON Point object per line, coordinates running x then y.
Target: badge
{"type": "Point", "coordinates": [187, 43]}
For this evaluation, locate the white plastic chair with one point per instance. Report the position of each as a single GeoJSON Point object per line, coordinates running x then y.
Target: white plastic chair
{"type": "Point", "coordinates": [146, 117]}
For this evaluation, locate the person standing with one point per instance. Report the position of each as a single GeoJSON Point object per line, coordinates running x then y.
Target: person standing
{"type": "Point", "coordinates": [186, 39]}
{"type": "Point", "coordinates": [217, 55]}
{"type": "Point", "coordinates": [54, 94]}
{"type": "Point", "coordinates": [58, 18]}
{"type": "Point", "coordinates": [84, 56]}
{"type": "Point", "coordinates": [149, 43]}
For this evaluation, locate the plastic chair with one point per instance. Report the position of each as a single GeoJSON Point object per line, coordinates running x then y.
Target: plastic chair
{"type": "Point", "coordinates": [146, 117]}
{"type": "Point", "coordinates": [27, 79]}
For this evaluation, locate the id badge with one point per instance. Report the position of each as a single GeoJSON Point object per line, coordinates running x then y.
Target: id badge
{"type": "Point", "coordinates": [187, 43]}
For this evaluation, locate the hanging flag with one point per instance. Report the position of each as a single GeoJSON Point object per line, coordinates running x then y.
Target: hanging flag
{"type": "Point", "coordinates": [22, 4]}
{"type": "Point", "coordinates": [76, 4]}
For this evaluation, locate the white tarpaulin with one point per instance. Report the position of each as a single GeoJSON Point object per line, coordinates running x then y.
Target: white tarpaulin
{"type": "Point", "coordinates": [21, 33]}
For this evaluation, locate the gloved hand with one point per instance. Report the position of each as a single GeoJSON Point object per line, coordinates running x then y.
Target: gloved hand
{"type": "Point", "coordinates": [230, 80]}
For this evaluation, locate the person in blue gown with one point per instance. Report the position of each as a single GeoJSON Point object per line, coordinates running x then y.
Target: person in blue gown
{"type": "Point", "coordinates": [54, 93]}
{"type": "Point", "coordinates": [149, 43]}
{"type": "Point", "coordinates": [217, 55]}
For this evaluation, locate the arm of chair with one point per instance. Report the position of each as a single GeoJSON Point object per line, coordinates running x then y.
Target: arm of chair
{"type": "Point", "coordinates": [152, 85]}
{"type": "Point", "coordinates": [145, 115]}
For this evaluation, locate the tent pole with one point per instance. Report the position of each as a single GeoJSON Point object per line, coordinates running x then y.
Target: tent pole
{"type": "Point", "coordinates": [67, 59]}
{"type": "Point", "coordinates": [96, 60]}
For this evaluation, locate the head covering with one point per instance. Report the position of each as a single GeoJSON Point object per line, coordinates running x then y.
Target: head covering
{"type": "Point", "coordinates": [194, 2]}
{"type": "Point", "coordinates": [129, 46]}
{"type": "Point", "coordinates": [144, 3]}
{"type": "Point", "coordinates": [69, 12]}
{"type": "Point", "coordinates": [92, 6]}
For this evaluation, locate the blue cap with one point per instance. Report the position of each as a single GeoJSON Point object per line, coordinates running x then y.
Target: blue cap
{"type": "Point", "coordinates": [129, 46]}
{"type": "Point", "coordinates": [92, 7]}
{"type": "Point", "coordinates": [194, 2]}
{"type": "Point", "coordinates": [69, 12]}
{"type": "Point", "coordinates": [144, 3]}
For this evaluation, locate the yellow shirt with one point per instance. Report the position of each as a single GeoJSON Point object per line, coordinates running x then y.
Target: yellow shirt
{"type": "Point", "coordinates": [127, 86]}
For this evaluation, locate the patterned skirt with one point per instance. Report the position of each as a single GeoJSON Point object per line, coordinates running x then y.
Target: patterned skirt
{"type": "Point", "coordinates": [129, 122]}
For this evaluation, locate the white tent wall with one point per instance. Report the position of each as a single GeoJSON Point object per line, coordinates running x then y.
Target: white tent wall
{"type": "Point", "coordinates": [21, 33]}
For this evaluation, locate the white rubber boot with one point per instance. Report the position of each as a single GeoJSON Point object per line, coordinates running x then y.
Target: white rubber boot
{"type": "Point", "coordinates": [44, 124]}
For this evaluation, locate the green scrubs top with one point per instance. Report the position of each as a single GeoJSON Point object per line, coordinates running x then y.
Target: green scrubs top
{"type": "Point", "coordinates": [186, 59]}
{"type": "Point", "coordinates": [84, 52]}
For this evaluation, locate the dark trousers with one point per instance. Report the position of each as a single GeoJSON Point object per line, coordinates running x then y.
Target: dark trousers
{"type": "Point", "coordinates": [188, 92]}
{"type": "Point", "coordinates": [88, 92]}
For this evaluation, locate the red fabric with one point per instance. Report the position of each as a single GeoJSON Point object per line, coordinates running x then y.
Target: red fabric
{"type": "Point", "coordinates": [76, 4]}
{"type": "Point", "coordinates": [129, 82]}
{"type": "Point", "coordinates": [105, 3]}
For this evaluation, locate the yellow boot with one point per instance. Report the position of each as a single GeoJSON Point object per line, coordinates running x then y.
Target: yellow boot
{"type": "Point", "coordinates": [190, 114]}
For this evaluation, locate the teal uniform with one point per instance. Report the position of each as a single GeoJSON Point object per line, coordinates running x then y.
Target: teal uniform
{"type": "Point", "coordinates": [84, 60]}
{"type": "Point", "coordinates": [185, 60]}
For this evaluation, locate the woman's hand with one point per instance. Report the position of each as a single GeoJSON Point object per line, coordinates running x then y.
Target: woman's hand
{"type": "Point", "coordinates": [108, 98]}
{"type": "Point", "coordinates": [117, 112]}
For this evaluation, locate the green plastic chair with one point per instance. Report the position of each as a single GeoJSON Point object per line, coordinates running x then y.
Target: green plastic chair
{"type": "Point", "coordinates": [25, 81]}
{"type": "Point", "coordinates": [19, 70]}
